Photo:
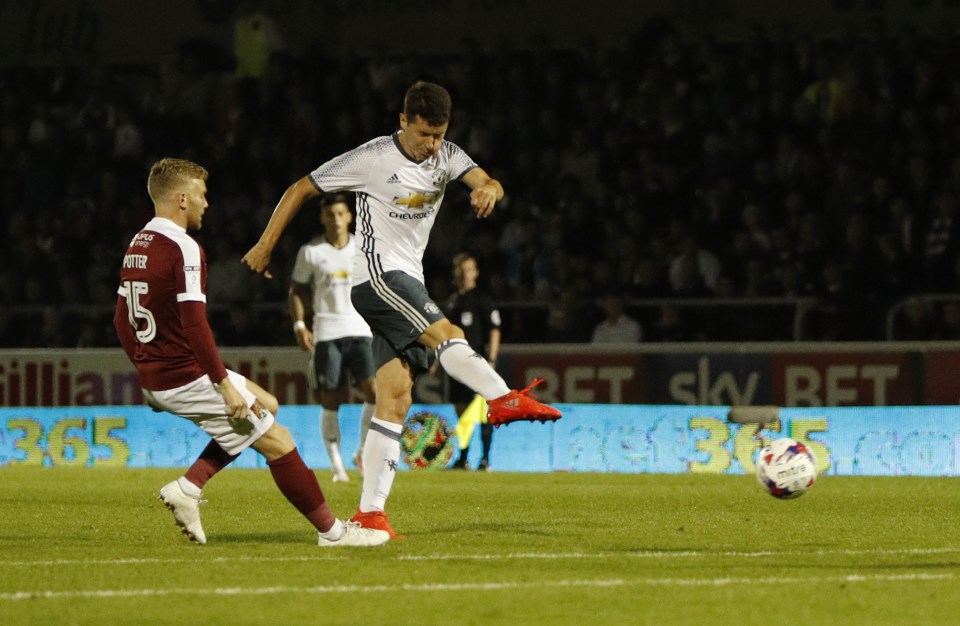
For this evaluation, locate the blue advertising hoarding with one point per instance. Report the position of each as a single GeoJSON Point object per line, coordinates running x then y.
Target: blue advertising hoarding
{"type": "Point", "coordinates": [886, 441]}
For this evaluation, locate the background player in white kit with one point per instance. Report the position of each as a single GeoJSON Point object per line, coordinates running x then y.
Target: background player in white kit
{"type": "Point", "coordinates": [161, 321]}
{"type": "Point", "coordinates": [400, 182]}
{"type": "Point", "coordinates": [340, 341]}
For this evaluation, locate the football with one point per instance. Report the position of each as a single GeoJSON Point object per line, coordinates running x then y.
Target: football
{"type": "Point", "coordinates": [786, 468]}
{"type": "Point", "coordinates": [425, 441]}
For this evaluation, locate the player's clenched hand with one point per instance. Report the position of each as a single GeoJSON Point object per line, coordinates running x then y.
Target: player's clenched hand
{"type": "Point", "coordinates": [236, 406]}
{"type": "Point", "coordinates": [258, 258]}
{"type": "Point", "coordinates": [305, 338]}
{"type": "Point", "coordinates": [483, 200]}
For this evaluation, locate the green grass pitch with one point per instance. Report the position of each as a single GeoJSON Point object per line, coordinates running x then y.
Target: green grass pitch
{"type": "Point", "coordinates": [95, 546]}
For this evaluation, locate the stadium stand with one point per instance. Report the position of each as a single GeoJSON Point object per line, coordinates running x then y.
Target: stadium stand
{"type": "Point", "coordinates": [778, 187]}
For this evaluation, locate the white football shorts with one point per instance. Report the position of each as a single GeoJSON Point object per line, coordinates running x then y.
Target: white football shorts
{"type": "Point", "coordinates": [201, 403]}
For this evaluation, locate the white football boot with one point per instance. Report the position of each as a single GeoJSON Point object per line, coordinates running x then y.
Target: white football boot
{"type": "Point", "coordinates": [356, 535]}
{"type": "Point", "coordinates": [186, 511]}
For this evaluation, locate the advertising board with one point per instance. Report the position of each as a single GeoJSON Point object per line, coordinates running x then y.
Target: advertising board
{"type": "Point", "coordinates": [673, 439]}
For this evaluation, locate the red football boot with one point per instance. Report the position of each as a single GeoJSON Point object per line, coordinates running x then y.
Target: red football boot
{"type": "Point", "coordinates": [520, 406]}
{"type": "Point", "coordinates": [377, 520]}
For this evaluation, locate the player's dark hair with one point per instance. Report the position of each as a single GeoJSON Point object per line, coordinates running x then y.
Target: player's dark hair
{"type": "Point", "coordinates": [429, 101]}
{"type": "Point", "coordinates": [330, 199]}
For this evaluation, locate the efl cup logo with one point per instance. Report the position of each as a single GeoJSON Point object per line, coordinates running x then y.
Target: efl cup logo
{"type": "Point", "coordinates": [426, 441]}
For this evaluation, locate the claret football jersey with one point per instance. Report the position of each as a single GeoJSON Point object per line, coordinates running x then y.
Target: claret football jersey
{"type": "Point", "coordinates": [397, 200]}
{"type": "Point", "coordinates": [163, 266]}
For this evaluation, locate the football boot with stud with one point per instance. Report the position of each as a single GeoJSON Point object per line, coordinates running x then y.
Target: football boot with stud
{"type": "Point", "coordinates": [356, 535]}
{"type": "Point", "coordinates": [186, 511]}
{"type": "Point", "coordinates": [376, 520]}
{"type": "Point", "coordinates": [520, 406]}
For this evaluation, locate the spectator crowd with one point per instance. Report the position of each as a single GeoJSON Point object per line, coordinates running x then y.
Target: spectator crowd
{"type": "Point", "coordinates": [777, 166]}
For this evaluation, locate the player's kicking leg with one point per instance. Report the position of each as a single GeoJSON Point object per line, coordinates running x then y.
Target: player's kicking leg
{"type": "Point", "coordinates": [505, 406]}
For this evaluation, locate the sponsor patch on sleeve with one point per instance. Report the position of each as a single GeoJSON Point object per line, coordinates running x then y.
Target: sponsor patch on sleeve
{"type": "Point", "coordinates": [192, 277]}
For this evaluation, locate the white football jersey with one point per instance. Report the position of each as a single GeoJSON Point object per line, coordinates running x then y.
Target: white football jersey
{"type": "Point", "coordinates": [397, 201]}
{"type": "Point", "coordinates": [329, 271]}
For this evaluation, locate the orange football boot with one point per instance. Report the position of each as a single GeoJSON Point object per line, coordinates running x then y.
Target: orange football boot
{"type": "Point", "coordinates": [376, 520]}
{"type": "Point", "coordinates": [520, 406]}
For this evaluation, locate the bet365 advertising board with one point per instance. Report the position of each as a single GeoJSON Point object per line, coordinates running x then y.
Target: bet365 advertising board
{"type": "Point", "coordinates": [892, 441]}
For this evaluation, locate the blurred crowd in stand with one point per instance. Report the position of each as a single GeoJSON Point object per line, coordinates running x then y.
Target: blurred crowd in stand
{"type": "Point", "coordinates": [780, 165]}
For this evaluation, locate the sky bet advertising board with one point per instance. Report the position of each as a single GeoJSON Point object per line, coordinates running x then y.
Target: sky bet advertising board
{"type": "Point", "coordinates": [780, 375]}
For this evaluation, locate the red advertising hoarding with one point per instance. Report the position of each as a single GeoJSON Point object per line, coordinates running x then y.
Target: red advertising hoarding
{"type": "Point", "coordinates": [577, 377]}
{"type": "Point", "coordinates": [846, 378]}
{"type": "Point", "coordinates": [942, 377]}
{"type": "Point", "coordinates": [573, 374]}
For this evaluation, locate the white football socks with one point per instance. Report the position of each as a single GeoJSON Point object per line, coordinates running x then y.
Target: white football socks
{"type": "Point", "coordinates": [188, 487]}
{"type": "Point", "coordinates": [335, 531]}
{"type": "Point", "coordinates": [336, 461]}
{"type": "Point", "coordinates": [330, 429]}
{"type": "Point", "coordinates": [381, 455]}
{"type": "Point", "coordinates": [465, 365]}
{"type": "Point", "coordinates": [366, 414]}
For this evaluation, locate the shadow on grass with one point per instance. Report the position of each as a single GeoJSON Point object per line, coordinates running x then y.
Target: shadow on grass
{"type": "Point", "coordinates": [483, 528]}
{"type": "Point", "coordinates": [292, 537]}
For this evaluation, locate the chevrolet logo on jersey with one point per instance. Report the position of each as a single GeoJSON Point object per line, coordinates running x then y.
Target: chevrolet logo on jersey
{"type": "Point", "coordinates": [416, 200]}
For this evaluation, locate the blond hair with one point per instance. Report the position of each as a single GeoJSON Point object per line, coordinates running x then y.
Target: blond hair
{"type": "Point", "coordinates": [168, 174]}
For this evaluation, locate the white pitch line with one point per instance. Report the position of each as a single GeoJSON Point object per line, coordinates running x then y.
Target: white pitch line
{"type": "Point", "coordinates": [645, 554]}
{"type": "Point", "coordinates": [233, 591]}
{"type": "Point", "coordinates": [659, 554]}
{"type": "Point", "coordinates": [448, 587]}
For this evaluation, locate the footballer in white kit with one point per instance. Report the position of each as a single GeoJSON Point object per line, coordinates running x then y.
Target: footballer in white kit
{"type": "Point", "coordinates": [400, 181]}
{"type": "Point", "coordinates": [329, 271]}
{"type": "Point", "coordinates": [397, 201]}
{"type": "Point", "coordinates": [340, 341]}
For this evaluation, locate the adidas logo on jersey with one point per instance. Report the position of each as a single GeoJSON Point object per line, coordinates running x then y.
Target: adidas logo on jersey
{"type": "Point", "coordinates": [393, 179]}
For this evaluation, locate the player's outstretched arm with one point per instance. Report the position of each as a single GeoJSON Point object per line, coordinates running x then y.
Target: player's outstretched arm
{"type": "Point", "coordinates": [486, 192]}
{"type": "Point", "coordinates": [258, 257]}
